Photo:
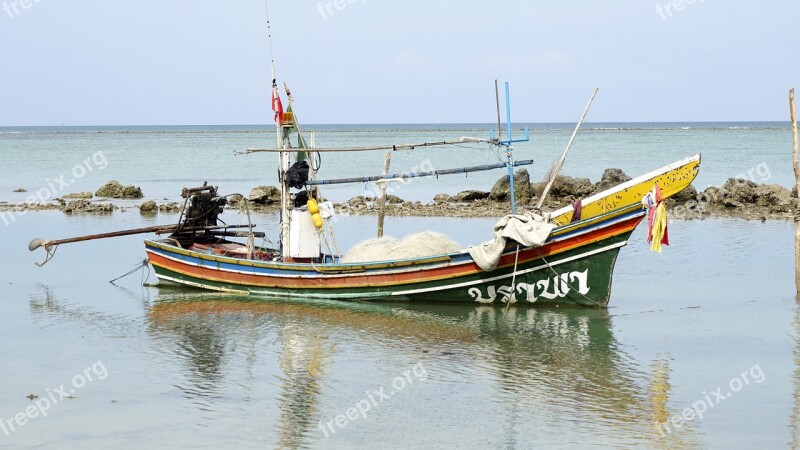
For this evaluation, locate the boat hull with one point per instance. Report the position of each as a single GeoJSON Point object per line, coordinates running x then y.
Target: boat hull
{"type": "Point", "coordinates": [571, 269]}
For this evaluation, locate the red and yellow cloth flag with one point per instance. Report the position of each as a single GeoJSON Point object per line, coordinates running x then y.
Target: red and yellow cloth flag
{"type": "Point", "coordinates": [657, 231]}
{"type": "Point", "coordinates": [277, 105]}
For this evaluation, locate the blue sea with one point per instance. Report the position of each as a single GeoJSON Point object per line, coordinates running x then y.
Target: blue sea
{"type": "Point", "coordinates": [700, 347]}
{"type": "Point", "coordinates": [162, 159]}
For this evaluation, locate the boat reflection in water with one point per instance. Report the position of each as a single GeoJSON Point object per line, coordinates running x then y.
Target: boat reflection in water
{"type": "Point", "coordinates": [541, 365]}
{"type": "Point", "coordinates": [279, 370]}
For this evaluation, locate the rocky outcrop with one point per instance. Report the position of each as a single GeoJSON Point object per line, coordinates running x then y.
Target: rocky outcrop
{"type": "Point", "coordinates": [393, 199]}
{"type": "Point", "coordinates": [265, 195]}
{"type": "Point", "coordinates": [685, 195]}
{"type": "Point", "coordinates": [611, 178]}
{"type": "Point", "coordinates": [148, 207]}
{"type": "Point", "coordinates": [85, 206]}
{"type": "Point", "coordinates": [567, 188]}
{"type": "Point", "coordinates": [114, 189]}
{"type": "Point", "coordinates": [739, 192]}
{"type": "Point", "coordinates": [471, 196]}
{"type": "Point", "coordinates": [441, 199]}
{"type": "Point", "coordinates": [522, 188]}
{"type": "Point", "coordinates": [79, 196]}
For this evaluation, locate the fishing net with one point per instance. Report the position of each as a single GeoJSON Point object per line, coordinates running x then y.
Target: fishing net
{"type": "Point", "coordinates": [417, 245]}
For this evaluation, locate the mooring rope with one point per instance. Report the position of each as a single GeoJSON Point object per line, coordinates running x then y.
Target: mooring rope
{"type": "Point", "coordinates": [140, 266]}
{"type": "Point", "coordinates": [513, 297]}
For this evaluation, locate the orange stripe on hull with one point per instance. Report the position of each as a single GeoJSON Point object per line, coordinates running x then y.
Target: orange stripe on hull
{"type": "Point", "coordinates": [349, 281]}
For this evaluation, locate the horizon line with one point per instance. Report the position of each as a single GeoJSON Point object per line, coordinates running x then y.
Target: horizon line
{"type": "Point", "coordinates": [787, 122]}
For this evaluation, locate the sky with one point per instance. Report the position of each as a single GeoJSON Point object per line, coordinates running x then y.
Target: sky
{"type": "Point", "coordinates": [203, 62]}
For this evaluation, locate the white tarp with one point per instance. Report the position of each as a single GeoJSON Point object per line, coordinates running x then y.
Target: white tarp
{"type": "Point", "coordinates": [529, 230]}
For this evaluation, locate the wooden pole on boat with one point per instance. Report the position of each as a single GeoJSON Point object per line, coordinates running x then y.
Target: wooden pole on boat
{"type": "Point", "coordinates": [382, 200]}
{"type": "Point", "coordinates": [796, 166]}
{"type": "Point", "coordinates": [161, 229]}
{"type": "Point", "coordinates": [560, 162]}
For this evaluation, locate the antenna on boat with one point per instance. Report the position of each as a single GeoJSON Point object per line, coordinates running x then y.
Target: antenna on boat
{"type": "Point", "coordinates": [497, 99]}
{"type": "Point", "coordinates": [283, 157]}
{"type": "Point", "coordinates": [271, 52]}
{"type": "Point", "coordinates": [508, 143]}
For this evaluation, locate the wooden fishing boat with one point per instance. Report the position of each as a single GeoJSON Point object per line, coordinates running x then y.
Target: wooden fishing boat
{"type": "Point", "coordinates": [575, 266]}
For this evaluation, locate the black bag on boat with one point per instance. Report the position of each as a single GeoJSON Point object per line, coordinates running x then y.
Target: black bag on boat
{"type": "Point", "coordinates": [297, 175]}
{"type": "Point", "coordinates": [300, 199]}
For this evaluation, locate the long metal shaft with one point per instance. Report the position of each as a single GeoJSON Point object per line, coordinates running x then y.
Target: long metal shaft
{"type": "Point", "coordinates": [403, 176]}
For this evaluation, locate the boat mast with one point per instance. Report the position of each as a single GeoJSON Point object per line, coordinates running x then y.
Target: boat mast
{"type": "Point", "coordinates": [508, 144]}
{"type": "Point", "coordinates": [283, 158]}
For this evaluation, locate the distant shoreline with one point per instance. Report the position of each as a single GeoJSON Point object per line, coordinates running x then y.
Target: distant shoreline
{"type": "Point", "coordinates": [455, 126]}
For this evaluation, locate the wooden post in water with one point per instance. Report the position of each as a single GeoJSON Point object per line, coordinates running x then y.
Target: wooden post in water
{"type": "Point", "coordinates": [797, 183]}
{"type": "Point", "coordinates": [382, 200]}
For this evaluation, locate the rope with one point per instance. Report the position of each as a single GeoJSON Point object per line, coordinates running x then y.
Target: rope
{"type": "Point", "coordinates": [140, 266]}
{"type": "Point", "coordinates": [333, 238]}
{"type": "Point", "coordinates": [513, 298]}
{"type": "Point", "coordinates": [50, 255]}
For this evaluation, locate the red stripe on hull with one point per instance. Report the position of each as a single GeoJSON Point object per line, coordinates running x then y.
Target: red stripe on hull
{"type": "Point", "coordinates": [338, 281]}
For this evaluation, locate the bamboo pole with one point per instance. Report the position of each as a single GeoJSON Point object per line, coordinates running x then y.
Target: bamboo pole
{"type": "Point", "coordinates": [797, 183]}
{"type": "Point", "coordinates": [382, 201]}
{"type": "Point", "coordinates": [160, 229]}
{"type": "Point", "coordinates": [560, 162]}
{"type": "Point", "coordinates": [462, 140]}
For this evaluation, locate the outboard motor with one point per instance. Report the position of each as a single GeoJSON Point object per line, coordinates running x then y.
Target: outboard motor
{"type": "Point", "coordinates": [203, 206]}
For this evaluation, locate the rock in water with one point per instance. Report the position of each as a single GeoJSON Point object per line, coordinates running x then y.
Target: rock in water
{"type": "Point", "coordinates": [113, 189]}
{"type": "Point", "coordinates": [393, 199]}
{"type": "Point", "coordinates": [265, 195]}
{"type": "Point", "coordinates": [471, 196]}
{"type": "Point", "coordinates": [235, 199]}
{"type": "Point", "coordinates": [688, 193]}
{"type": "Point", "coordinates": [172, 207]}
{"type": "Point", "coordinates": [442, 198]}
{"type": "Point", "coordinates": [737, 190]}
{"type": "Point", "coordinates": [773, 195]}
{"type": "Point", "coordinates": [148, 207]}
{"type": "Point", "coordinates": [79, 195]}
{"type": "Point", "coordinates": [611, 178]}
{"type": "Point", "coordinates": [85, 206]}
{"type": "Point", "coordinates": [522, 188]}
{"type": "Point", "coordinates": [568, 188]}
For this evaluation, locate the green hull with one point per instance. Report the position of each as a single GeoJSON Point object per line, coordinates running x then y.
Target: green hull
{"type": "Point", "coordinates": [581, 277]}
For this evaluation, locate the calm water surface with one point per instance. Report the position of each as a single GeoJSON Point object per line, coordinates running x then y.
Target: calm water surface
{"type": "Point", "coordinates": [163, 159]}
{"type": "Point", "coordinates": [167, 368]}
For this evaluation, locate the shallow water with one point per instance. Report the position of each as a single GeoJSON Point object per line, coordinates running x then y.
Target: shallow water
{"type": "Point", "coordinates": [173, 367]}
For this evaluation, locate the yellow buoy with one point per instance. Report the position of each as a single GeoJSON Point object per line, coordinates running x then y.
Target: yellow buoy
{"type": "Point", "coordinates": [317, 219]}
{"type": "Point", "coordinates": [313, 207]}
